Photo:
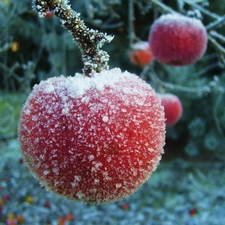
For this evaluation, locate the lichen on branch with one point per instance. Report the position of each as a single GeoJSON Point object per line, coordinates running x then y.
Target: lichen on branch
{"type": "Point", "coordinates": [88, 40]}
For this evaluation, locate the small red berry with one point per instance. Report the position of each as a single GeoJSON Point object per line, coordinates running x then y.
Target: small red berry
{"type": "Point", "coordinates": [172, 107]}
{"type": "Point", "coordinates": [193, 212]}
{"type": "Point", "coordinates": [140, 53]}
{"type": "Point", "coordinates": [95, 139]}
{"type": "Point", "coordinates": [11, 222]}
{"type": "Point", "coordinates": [49, 14]}
{"type": "Point", "coordinates": [20, 160]}
{"type": "Point", "coordinates": [20, 219]}
{"type": "Point", "coordinates": [69, 217]}
{"type": "Point", "coordinates": [47, 205]}
{"type": "Point", "coordinates": [177, 40]}
{"type": "Point", "coordinates": [11, 219]}
{"type": "Point", "coordinates": [6, 197]}
{"type": "Point", "coordinates": [61, 221]}
{"type": "Point", "coordinates": [124, 206]}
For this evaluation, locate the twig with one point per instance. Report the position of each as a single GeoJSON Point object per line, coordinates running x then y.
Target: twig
{"type": "Point", "coordinates": [216, 23]}
{"type": "Point", "coordinates": [88, 40]}
{"type": "Point", "coordinates": [217, 35]}
{"type": "Point", "coordinates": [203, 10]}
{"type": "Point", "coordinates": [196, 90]}
{"type": "Point", "coordinates": [131, 19]}
{"type": "Point", "coordinates": [5, 47]}
{"type": "Point", "coordinates": [162, 7]}
{"type": "Point", "coordinates": [217, 112]}
{"type": "Point", "coordinates": [220, 48]}
{"type": "Point", "coordinates": [206, 69]}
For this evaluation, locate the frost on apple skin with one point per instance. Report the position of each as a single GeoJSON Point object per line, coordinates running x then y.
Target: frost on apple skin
{"type": "Point", "coordinates": [94, 139]}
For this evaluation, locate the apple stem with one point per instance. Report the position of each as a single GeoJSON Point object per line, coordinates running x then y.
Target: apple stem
{"type": "Point", "coordinates": [88, 40]}
{"type": "Point", "coordinates": [131, 19]}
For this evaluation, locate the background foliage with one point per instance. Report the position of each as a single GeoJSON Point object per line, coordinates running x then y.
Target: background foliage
{"type": "Point", "coordinates": [33, 49]}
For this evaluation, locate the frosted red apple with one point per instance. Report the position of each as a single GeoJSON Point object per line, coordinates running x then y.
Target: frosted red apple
{"type": "Point", "coordinates": [94, 139]}
{"type": "Point", "coordinates": [140, 53]}
{"type": "Point", "coordinates": [177, 40]}
{"type": "Point", "coordinates": [172, 107]}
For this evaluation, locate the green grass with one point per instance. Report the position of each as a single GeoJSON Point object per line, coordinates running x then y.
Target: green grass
{"type": "Point", "coordinates": [10, 107]}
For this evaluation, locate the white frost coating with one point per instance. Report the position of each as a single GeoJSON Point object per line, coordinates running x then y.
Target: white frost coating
{"type": "Point", "coordinates": [34, 118]}
{"type": "Point", "coordinates": [27, 112]}
{"type": "Point", "coordinates": [91, 157]}
{"type": "Point", "coordinates": [140, 45]}
{"type": "Point", "coordinates": [169, 97]}
{"type": "Point", "coordinates": [80, 194]}
{"type": "Point", "coordinates": [85, 100]}
{"type": "Point", "coordinates": [55, 170]}
{"type": "Point", "coordinates": [96, 181]}
{"type": "Point", "coordinates": [78, 85]}
{"type": "Point", "coordinates": [105, 118]}
{"type": "Point", "coordinates": [50, 88]}
{"type": "Point", "coordinates": [65, 110]}
{"type": "Point", "coordinates": [46, 172]}
{"type": "Point", "coordinates": [178, 18]}
{"type": "Point", "coordinates": [77, 179]}
{"type": "Point", "coordinates": [97, 165]}
{"type": "Point", "coordinates": [118, 185]}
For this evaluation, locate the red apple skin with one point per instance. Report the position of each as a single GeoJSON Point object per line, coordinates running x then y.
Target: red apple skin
{"type": "Point", "coordinates": [172, 107]}
{"type": "Point", "coordinates": [140, 53]}
{"type": "Point", "coordinates": [93, 139]}
{"type": "Point", "coordinates": [177, 40]}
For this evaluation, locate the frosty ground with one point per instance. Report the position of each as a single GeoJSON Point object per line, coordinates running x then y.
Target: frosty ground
{"type": "Point", "coordinates": [183, 190]}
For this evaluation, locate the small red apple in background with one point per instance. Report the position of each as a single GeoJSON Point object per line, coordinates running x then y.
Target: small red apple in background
{"type": "Point", "coordinates": [177, 40]}
{"type": "Point", "coordinates": [95, 139]}
{"type": "Point", "coordinates": [172, 107]}
{"type": "Point", "coordinates": [140, 53]}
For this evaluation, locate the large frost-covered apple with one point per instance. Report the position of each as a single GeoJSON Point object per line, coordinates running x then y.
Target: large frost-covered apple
{"type": "Point", "coordinates": [94, 139]}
